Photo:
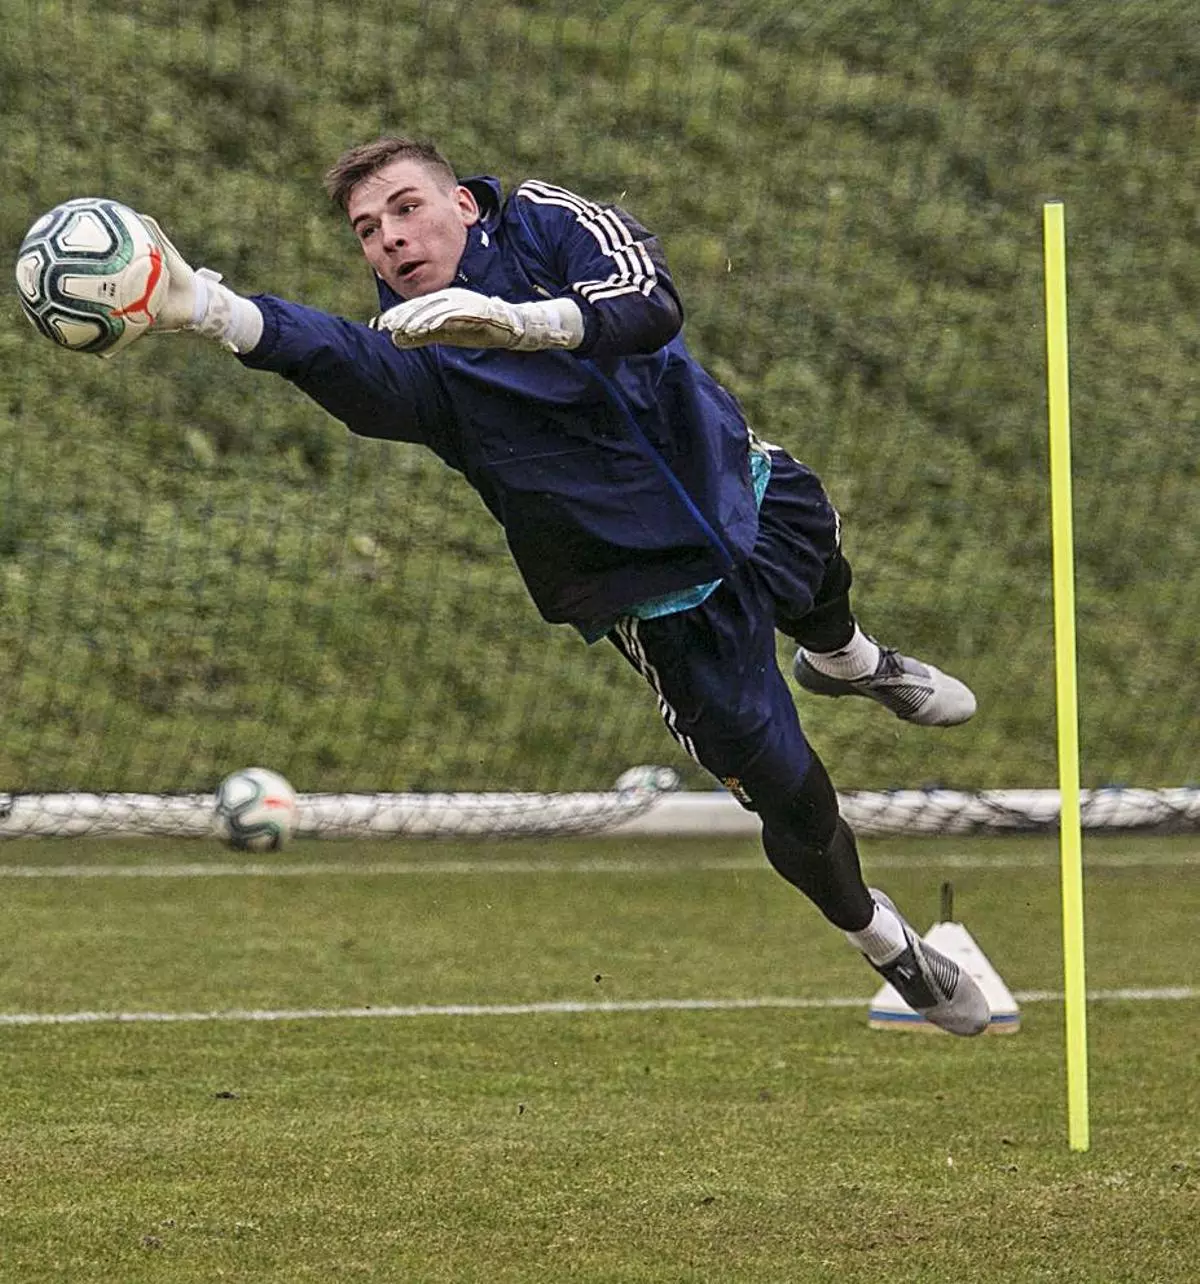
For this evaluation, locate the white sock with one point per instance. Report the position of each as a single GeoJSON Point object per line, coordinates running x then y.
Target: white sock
{"type": "Point", "coordinates": [219, 313]}
{"type": "Point", "coordinates": [859, 658]}
{"type": "Point", "coordinates": [883, 937]}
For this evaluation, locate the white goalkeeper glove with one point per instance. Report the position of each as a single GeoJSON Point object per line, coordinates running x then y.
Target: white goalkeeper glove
{"type": "Point", "coordinates": [465, 319]}
{"type": "Point", "coordinates": [196, 300]}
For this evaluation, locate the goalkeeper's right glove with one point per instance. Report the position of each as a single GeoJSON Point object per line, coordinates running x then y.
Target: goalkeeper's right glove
{"type": "Point", "coordinates": [196, 300]}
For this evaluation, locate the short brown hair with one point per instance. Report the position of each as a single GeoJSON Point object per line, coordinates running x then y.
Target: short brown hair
{"type": "Point", "coordinates": [362, 161]}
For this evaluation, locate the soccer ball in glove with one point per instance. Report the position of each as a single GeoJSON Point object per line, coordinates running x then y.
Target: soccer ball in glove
{"type": "Point", "coordinates": [92, 275]}
{"type": "Point", "coordinates": [256, 810]}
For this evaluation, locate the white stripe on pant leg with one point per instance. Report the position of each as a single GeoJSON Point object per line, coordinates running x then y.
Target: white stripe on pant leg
{"type": "Point", "coordinates": [627, 630]}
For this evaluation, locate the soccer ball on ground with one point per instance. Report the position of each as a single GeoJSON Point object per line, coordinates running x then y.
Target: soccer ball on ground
{"type": "Point", "coordinates": [92, 275]}
{"type": "Point", "coordinates": [648, 779]}
{"type": "Point", "coordinates": [256, 810]}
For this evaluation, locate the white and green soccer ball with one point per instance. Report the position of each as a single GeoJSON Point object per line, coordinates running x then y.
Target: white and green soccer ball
{"type": "Point", "coordinates": [648, 779]}
{"type": "Point", "coordinates": [91, 275]}
{"type": "Point", "coordinates": [255, 810]}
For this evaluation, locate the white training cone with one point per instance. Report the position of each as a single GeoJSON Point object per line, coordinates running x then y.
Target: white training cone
{"type": "Point", "coordinates": [888, 1011]}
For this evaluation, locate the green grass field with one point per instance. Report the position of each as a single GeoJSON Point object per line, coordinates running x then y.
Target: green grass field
{"type": "Point", "coordinates": [627, 1144]}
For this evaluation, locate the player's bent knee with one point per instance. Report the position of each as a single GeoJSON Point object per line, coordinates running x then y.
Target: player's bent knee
{"type": "Point", "coordinates": [800, 829]}
{"type": "Point", "coordinates": [811, 846]}
{"type": "Point", "coordinates": [810, 811]}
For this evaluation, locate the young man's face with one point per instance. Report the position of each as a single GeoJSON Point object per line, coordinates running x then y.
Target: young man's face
{"type": "Point", "coordinates": [412, 225]}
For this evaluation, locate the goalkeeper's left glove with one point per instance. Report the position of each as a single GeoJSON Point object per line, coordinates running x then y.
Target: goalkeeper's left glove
{"type": "Point", "coordinates": [465, 319]}
{"type": "Point", "coordinates": [196, 300]}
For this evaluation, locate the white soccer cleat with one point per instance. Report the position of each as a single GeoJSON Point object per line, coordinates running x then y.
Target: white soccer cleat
{"type": "Point", "coordinates": [933, 985]}
{"type": "Point", "coordinates": [913, 691]}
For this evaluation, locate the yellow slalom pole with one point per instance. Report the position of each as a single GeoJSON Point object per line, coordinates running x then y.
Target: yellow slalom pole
{"type": "Point", "coordinates": [1070, 826]}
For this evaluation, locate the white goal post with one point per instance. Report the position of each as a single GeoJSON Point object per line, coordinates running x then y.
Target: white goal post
{"type": "Point", "coordinates": [619, 813]}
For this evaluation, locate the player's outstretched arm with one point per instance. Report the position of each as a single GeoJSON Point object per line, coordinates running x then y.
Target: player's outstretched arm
{"type": "Point", "coordinates": [94, 276]}
{"type": "Point", "coordinates": [197, 300]}
{"type": "Point", "coordinates": [465, 319]}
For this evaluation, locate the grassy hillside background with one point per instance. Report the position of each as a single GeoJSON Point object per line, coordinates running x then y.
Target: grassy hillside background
{"type": "Point", "coordinates": [199, 569]}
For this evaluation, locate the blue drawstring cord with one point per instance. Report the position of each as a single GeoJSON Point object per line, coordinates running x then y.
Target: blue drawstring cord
{"type": "Point", "coordinates": [617, 397]}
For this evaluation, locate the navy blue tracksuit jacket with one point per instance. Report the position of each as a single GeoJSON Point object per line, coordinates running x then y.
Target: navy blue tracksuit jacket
{"type": "Point", "coordinates": [620, 471]}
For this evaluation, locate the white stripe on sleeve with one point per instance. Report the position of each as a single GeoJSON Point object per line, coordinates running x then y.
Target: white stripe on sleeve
{"type": "Point", "coordinates": [634, 271]}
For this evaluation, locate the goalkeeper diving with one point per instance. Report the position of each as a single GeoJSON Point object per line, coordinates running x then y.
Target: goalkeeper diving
{"type": "Point", "coordinates": [533, 342]}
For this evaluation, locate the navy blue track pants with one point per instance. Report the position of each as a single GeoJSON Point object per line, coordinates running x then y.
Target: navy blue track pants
{"type": "Point", "coordinates": [714, 671]}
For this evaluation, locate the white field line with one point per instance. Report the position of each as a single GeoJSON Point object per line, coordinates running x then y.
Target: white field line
{"type": "Point", "coordinates": [502, 865]}
{"type": "Point", "coordinates": [561, 1008]}
{"type": "Point", "coordinates": [377, 869]}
